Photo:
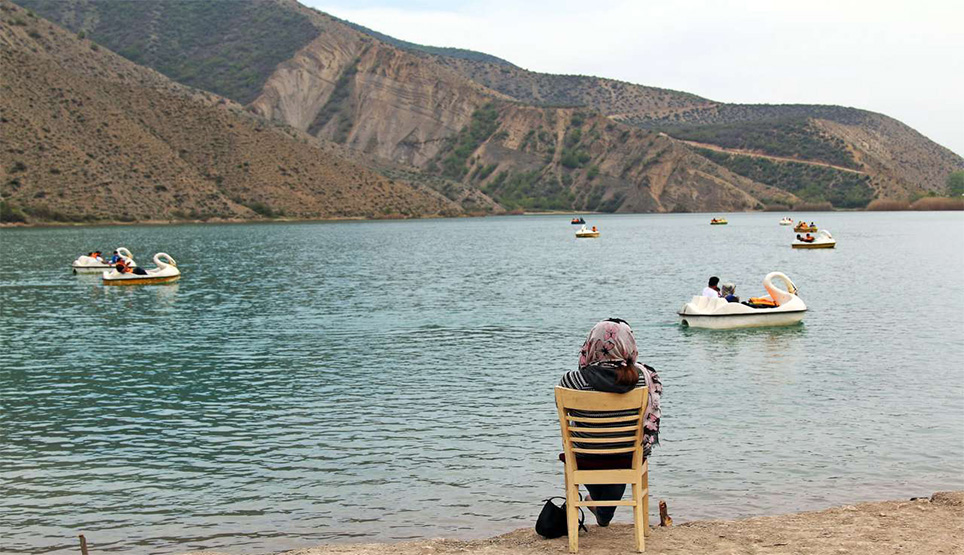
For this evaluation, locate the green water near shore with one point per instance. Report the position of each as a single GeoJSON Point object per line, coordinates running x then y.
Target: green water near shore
{"type": "Point", "coordinates": [376, 381]}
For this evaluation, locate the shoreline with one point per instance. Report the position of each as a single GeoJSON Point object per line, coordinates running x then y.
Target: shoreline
{"type": "Point", "coordinates": [918, 526]}
{"type": "Point", "coordinates": [220, 221]}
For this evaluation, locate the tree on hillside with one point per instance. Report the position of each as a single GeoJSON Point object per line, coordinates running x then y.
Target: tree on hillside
{"type": "Point", "coordinates": [955, 184]}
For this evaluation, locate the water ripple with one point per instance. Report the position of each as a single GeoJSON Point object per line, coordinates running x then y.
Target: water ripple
{"type": "Point", "coordinates": [387, 381]}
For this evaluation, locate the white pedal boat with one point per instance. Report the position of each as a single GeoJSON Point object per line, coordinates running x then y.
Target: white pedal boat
{"type": "Point", "coordinates": [786, 221]}
{"type": "Point", "coordinates": [586, 233]}
{"type": "Point", "coordinates": [165, 272]}
{"type": "Point", "coordinates": [707, 312]}
{"type": "Point", "coordinates": [822, 240]}
{"type": "Point", "coordinates": [90, 265]}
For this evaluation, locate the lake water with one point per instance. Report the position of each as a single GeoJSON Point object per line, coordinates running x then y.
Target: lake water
{"type": "Point", "coordinates": [376, 381]}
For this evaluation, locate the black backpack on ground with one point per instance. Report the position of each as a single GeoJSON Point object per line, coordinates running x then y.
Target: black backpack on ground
{"type": "Point", "coordinates": [552, 520]}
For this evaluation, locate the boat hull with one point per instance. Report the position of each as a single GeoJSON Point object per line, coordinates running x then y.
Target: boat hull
{"type": "Point", "coordinates": [805, 229]}
{"type": "Point", "coordinates": [589, 235]}
{"type": "Point", "coordinates": [91, 269]}
{"type": "Point", "coordinates": [814, 245]}
{"type": "Point", "coordinates": [142, 280]}
{"type": "Point", "coordinates": [766, 318]}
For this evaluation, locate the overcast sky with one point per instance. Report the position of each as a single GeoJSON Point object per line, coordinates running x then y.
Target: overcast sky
{"type": "Point", "coordinates": [901, 58]}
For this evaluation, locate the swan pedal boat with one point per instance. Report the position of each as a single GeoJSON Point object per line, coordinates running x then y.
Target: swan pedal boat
{"type": "Point", "coordinates": [718, 314]}
{"type": "Point", "coordinates": [90, 265]}
{"type": "Point", "coordinates": [721, 221]}
{"type": "Point", "coordinates": [805, 228]}
{"type": "Point", "coordinates": [822, 240]}
{"type": "Point", "coordinates": [585, 233]}
{"type": "Point", "coordinates": [577, 221]}
{"type": "Point", "coordinates": [786, 221]}
{"type": "Point", "coordinates": [165, 272]}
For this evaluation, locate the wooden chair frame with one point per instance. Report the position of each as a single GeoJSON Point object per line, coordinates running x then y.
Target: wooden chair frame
{"type": "Point", "coordinates": [637, 475]}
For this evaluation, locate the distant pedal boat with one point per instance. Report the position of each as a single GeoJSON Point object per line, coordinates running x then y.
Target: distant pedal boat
{"type": "Point", "coordinates": [165, 272]}
{"type": "Point", "coordinates": [586, 233]}
{"type": "Point", "coordinates": [710, 313]}
{"type": "Point", "coordinates": [718, 221]}
{"type": "Point", "coordinates": [90, 265]}
{"type": "Point", "coordinates": [786, 221]}
{"type": "Point", "coordinates": [822, 240]}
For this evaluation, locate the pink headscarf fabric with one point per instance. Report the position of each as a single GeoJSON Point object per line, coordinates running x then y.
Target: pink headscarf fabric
{"type": "Point", "coordinates": [609, 342]}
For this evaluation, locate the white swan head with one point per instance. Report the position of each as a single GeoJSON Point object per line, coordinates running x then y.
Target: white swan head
{"type": "Point", "coordinates": [778, 295]}
{"type": "Point", "coordinates": [161, 263]}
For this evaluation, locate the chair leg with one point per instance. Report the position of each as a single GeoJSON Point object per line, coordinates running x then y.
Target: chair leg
{"type": "Point", "coordinates": [572, 515]}
{"type": "Point", "coordinates": [638, 518]}
{"type": "Point", "coordinates": [646, 528]}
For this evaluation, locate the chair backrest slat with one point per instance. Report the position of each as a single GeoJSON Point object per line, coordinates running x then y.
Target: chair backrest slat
{"type": "Point", "coordinates": [603, 451]}
{"type": "Point", "coordinates": [607, 439]}
{"type": "Point", "coordinates": [592, 420]}
{"type": "Point", "coordinates": [587, 434]}
{"type": "Point", "coordinates": [608, 429]}
{"type": "Point", "coordinates": [600, 401]}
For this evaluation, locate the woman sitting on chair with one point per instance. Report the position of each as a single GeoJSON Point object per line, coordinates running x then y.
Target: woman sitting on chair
{"type": "Point", "coordinates": [608, 362]}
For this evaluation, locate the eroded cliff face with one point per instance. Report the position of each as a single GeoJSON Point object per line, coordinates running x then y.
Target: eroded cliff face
{"type": "Point", "coordinates": [349, 88]}
{"type": "Point", "coordinates": [547, 158]}
{"type": "Point", "coordinates": [410, 109]}
{"type": "Point", "coordinates": [300, 87]}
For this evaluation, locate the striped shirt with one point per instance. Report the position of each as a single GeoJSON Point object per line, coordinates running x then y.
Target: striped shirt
{"type": "Point", "coordinates": [647, 378]}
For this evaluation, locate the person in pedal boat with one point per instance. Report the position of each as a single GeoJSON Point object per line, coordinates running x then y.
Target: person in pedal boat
{"type": "Point", "coordinates": [608, 361]}
{"type": "Point", "coordinates": [712, 289]}
{"type": "Point", "coordinates": [727, 291]}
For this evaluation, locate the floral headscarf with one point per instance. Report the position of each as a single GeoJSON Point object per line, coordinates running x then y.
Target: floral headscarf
{"type": "Point", "coordinates": [610, 343]}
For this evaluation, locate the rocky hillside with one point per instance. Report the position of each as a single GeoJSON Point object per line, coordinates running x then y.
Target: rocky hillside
{"type": "Point", "coordinates": [473, 126]}
{"type": "Point", "coordinates": [403, 106]}
{"type": "Point", "coordinates": [88, 136]}
{"type": "Point", "coordinates": [223, 46]}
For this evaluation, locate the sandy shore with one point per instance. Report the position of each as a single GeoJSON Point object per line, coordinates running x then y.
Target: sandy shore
{"type": "Point", "coordinates": [923, 526]}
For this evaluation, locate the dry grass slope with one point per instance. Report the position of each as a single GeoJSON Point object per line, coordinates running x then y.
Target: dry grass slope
{"type": "Point", "coordinates": [89, 136]}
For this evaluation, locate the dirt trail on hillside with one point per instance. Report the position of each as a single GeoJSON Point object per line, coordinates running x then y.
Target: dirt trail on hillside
{"type": "Point", "coordinates": [754, 154]}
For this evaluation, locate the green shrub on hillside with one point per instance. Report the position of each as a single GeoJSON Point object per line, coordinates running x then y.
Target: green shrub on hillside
{"type": "Point", "coordinates": [484, 122]}
{"type": "Point", "coordinates": [809, 182]}
{"type": "Point", "coordinates": [11, 214]}
{"type": "Point", "coordinates": [529, 190]}
{"type": "Point", "coordinates": [338, 104]}
{"type": "Point", "coordinates": [792, 138]}
{"type": "Point", "coordinates": [224, 46]}
{"type": "Point", "coordinates": [574, 158]}
{"type": "Point", "coordinates": [955, 184]}
{"type": "Point", "coordinates": [573, 155]}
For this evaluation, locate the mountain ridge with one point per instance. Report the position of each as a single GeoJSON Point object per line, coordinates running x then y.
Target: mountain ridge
{"type": "Point", "coordinates": [89, 136]}
{"type": "Point", "coordinates": [407, 111]}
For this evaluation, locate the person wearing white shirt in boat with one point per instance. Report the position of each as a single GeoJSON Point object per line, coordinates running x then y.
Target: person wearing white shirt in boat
{"type": "Point", "coordinates": [712, 290]}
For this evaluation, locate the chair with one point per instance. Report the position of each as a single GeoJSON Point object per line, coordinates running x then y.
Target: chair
{"type": "Point", "coordinates": [584, 433]}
